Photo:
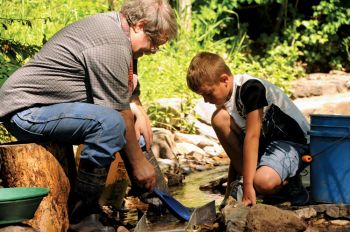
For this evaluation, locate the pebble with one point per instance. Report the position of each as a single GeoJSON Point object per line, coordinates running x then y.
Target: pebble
{"type": "Point", "coordinates": [306, 213]}
{"type": "Point", "coordinates": [340, 222]}
{"type": "Point", "coordinates": [319, 221]}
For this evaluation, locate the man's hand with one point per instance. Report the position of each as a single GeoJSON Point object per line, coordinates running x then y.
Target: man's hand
{"type": "Point", "coordinates": [144, 175]}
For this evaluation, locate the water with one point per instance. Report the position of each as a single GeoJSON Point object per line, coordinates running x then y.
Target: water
{"type": "Point", "coordinates": [165, 222]}
{"type": "Point", "coordinates": [188, 194]}
{"type": "Point", "coordinates": [191, 196]}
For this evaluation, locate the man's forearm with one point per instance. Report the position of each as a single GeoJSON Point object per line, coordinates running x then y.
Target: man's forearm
{"type": "Point", "coordinates": [136, 106]}
{"type": "Point", "coordinates": [139, 169]}
{"type": "Point", "coordinates": [132, 148]}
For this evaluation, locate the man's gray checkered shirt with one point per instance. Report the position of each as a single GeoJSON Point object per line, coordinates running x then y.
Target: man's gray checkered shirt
{"type": "Point", "coordinates": [87, 61]}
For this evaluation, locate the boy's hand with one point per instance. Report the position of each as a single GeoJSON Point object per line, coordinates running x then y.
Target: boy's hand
{"type": "Point", "coordinates": [249, 195]}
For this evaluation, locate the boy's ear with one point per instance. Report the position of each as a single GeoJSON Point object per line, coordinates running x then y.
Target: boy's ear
{"type": "Point", "coordinates": [224, 78]}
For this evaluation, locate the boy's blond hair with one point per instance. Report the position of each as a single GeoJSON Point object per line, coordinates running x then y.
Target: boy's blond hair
{"type": "Point", "coordinates": [205, 67]}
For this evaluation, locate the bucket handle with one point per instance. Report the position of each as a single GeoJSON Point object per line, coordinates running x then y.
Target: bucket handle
{"type": "Point", "coordinates": [332, 144]}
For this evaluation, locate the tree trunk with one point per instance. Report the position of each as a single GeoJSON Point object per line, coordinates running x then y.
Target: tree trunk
{"type": "Point", "coordinates": [41, 165]}
{"type": "Point", "coordinates": [185, 10]}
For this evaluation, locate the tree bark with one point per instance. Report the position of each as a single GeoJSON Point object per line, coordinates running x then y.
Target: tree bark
{"type": "Point", "coordinates": [185, 10]}
{"type": "Point", "coordinates": [41, 165]}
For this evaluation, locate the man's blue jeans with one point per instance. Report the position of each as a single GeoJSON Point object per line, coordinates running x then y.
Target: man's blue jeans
{"type": "Point", "coordinates": [100, 129]}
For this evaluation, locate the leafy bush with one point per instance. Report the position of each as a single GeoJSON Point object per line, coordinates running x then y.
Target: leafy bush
{"type": "Point", "coordinates": [5, 136]}
{"type": "Point", "coordinates": [324, 38]}
{"type": "Point", "coordinates": [271, 39]}
{"type": "Point", "coordinates": [163, 74]}
{"type": "Point", "coordinates": [23, 31]}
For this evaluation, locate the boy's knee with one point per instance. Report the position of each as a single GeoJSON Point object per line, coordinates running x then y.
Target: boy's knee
{"type": "Point", "coordinates": [220, 118]}
{"type": "Point", "coordinates": [266, 183]}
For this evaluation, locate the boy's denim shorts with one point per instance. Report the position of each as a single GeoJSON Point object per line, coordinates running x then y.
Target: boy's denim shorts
{"type": "Point", "coordinates": [284, 157]}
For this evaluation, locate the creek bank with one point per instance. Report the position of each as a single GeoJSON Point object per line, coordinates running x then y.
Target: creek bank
{"type": "Point", "coordinates": [316, 94]}
{"type": "Point", "coordinates": [180, 154]}
{"type": "Point", "coordinates": [284, 218]}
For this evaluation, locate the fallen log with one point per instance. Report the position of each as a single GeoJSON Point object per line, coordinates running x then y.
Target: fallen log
{"type": "Point", "coordinates": [49, 165]}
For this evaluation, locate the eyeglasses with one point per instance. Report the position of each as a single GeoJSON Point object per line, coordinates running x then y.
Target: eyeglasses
{"type": "Point", "coordinates": [153, 41]}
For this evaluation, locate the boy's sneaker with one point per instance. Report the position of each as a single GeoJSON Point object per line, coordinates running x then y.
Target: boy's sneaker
{"type": "Point", "coordinates": [237, 189]}
{"type": "Point", "coordinates": [297, 194]}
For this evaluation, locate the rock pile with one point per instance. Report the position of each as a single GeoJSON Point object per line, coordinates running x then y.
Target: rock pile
{"type": "Point", "coordinates": [266, 218]}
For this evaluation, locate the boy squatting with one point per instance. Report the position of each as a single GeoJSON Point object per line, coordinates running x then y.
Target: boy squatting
{"type": "Point", "coordinates": [261, 130]}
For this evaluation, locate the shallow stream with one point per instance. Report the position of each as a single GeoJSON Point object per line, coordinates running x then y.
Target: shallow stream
{"type": "Point", "coordinates": [189, 193]}
{"type": "Point", "coordinates": [190, 196]}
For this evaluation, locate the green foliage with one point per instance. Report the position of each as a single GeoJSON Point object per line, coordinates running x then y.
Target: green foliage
{"type": "Point", "coordinates": [6, 69]}
{"type": "Point", "coordinates": [317, 30]}
{"type": "Point", "coordinates": [35, 21]}
{"type": "Point", "coordinates": [5, 136]}
{"type": "Point", "coordinates": [163, 74]}
{"type": "Point", "coordinates": [271, 39]}
{"type": "Point", "coordinates": [167, 117]}
{"type": "Point", "coordinates": [24, 30]}
{"type": "Point", "coordinates": [323, 39]}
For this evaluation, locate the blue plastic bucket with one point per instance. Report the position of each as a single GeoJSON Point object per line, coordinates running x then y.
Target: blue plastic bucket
{"type": "Point", "coordinates": [330, 166]}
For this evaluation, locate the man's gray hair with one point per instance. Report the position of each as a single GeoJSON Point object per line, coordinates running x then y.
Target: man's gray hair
{"type": "Point", "coordinates": [158, 16]}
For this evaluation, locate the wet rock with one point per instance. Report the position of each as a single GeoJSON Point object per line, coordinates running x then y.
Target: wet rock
{"type": "Point", "coordinates": [197, 156]}
{"type": "Point", "coordinates": [267, 218]}
{"type": "Point", "coordinates": [218, 161]}
{"type": "Point", "coordinates": [214, 150]}
{"type": "Point", "coordinates": [164, 144]}
{"type": "Point", "coordinates": [218, 184]}
{"type": "Point", "coordinates": [319, 221]}
{"type": "Point", "coordinates": [186, 170]}
{"type": "Point", "coordinates": [338, 211]}
{"type": "Point", "coordinates": [189, 149]}
{"type": "Point", "coordinates": [204, 111]}
{"type": "Point", "coordinates": [175, 179]}
{"type": "Point", "coordinates": [201, 167]}
{"type": "Point", "coordinates": [235, 216]}
{"type": "Point", "coordinates": [306, 213]}
{"type": "Point", "coordinates": [203, 128]}
{"type": "Point", "coordinates": [198, 140]}
{"type": "Point", "coordinates": [340, 222]}
{"type": "Point", "coordinates": [320, 208]}
{"type": "Point", "coordinates": [122, 229]}
{"type": "Point", "coordinates": [317, 84]}
{"type": "Point", "coordinates": [17, 229]}
{"type": "Point", "coordinates": [168, 165]}
{"type": "Point", "coordinates": [333, 210]}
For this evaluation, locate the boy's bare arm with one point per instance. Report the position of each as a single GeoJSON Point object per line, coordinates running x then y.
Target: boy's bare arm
{"type": "Point", "coordinates": [250, 154]}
